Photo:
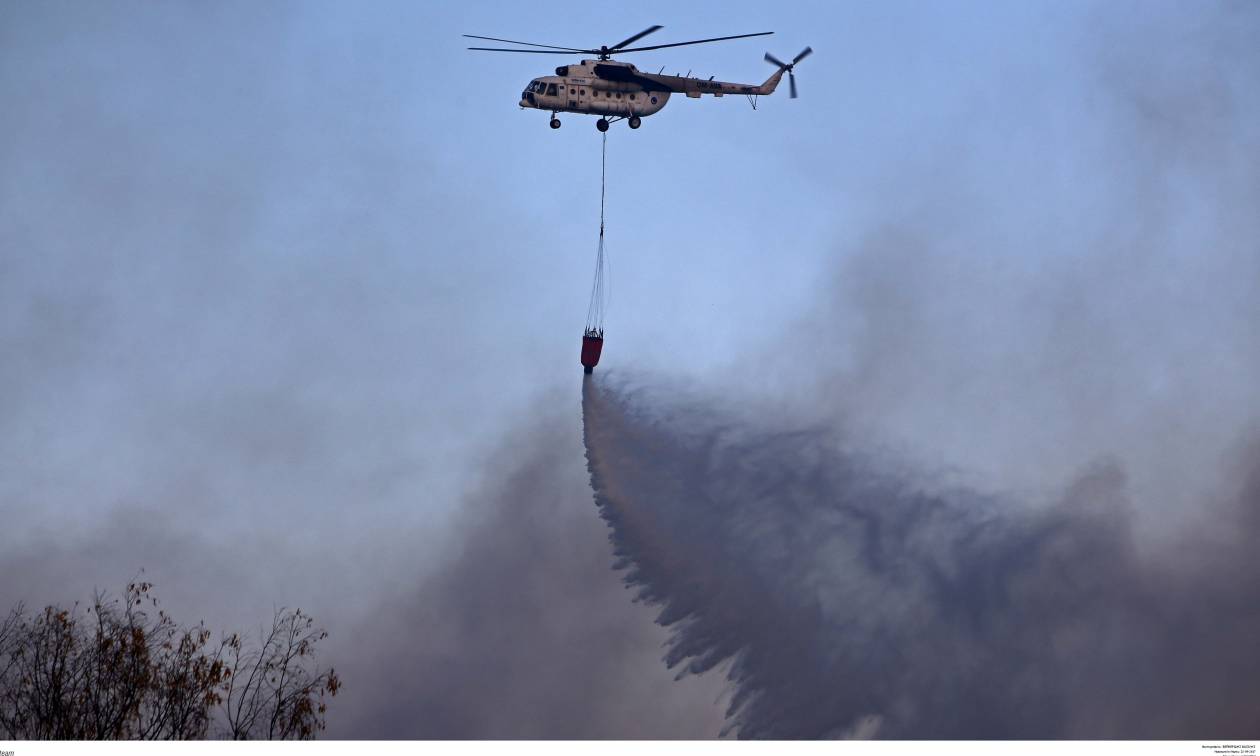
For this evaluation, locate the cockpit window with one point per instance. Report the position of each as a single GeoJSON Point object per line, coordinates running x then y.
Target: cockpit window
{"type": "Point", "coordinates": [551, 88]}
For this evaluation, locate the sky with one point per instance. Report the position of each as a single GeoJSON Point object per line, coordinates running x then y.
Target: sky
{"type": "Point", "coordinates": [291, 297]}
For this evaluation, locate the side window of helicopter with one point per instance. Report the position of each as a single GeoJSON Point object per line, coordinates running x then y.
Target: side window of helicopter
{"type": "Point", "coordinates": [551, 88]}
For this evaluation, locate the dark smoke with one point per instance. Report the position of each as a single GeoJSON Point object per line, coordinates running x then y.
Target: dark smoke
{"type": "Point", "coordinates": [855, 596]}
{"type": "Point", "coordinates": [524, 631]}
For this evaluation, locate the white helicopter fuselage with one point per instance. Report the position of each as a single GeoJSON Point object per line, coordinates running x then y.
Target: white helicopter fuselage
{"type": "Point", "coordinates": [613, 88]}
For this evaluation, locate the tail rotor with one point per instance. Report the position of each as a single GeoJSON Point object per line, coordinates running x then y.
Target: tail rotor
{"type": "Point", "coordinates": [789, 66]}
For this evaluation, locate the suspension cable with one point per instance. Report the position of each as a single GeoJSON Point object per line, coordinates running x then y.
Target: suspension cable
{"type": "Point", "coordinates": [603, 179]}
{"type": "Point", "coordinates": [599, 299]}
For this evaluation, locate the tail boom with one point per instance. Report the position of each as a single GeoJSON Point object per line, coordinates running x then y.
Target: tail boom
{"type": "Point", "coordinates": [693, 87]}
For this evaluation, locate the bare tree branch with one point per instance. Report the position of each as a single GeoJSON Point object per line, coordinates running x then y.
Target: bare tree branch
{"type": "Point", "coordinates": [134, 673]}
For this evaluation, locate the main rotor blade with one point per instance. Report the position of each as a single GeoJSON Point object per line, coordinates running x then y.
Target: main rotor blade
{"type": "Point", "coordinates": [536, 52]}
{"type": "Point", "coordinates": [804, 54]}
{"type": "Point", "coordinates": [770, 58]}
{"type": "Point", "coordinates": [636, 37]}
{"type": "Point", "coordinates": [693, 42]}
{"type": "Point", "coordinates": [514, 42]}
{"type": "Point", "coordinates": [792, 85]}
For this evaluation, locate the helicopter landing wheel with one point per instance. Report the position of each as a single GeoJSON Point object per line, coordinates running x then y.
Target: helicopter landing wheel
{"type": "Point", "coordinates": [602, 124]}
{"type": "Point", "coordinates": [635, 122]}
{"type": "Point", "coordinates": [555, 123]}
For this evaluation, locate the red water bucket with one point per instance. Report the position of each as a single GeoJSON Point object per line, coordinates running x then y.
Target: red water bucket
{"type": "Point", "coordinates": [591, 347]}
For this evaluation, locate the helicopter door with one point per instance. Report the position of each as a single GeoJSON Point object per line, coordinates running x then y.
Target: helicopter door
{"type": "Point", "coordinates": [572, 95]}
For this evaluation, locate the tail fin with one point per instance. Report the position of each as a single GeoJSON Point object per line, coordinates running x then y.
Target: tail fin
{"type": "Point", "coordinates": [770, 84]}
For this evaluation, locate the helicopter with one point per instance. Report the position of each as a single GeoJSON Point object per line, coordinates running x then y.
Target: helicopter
{"type": "Point", "coordinates": [618, 91]}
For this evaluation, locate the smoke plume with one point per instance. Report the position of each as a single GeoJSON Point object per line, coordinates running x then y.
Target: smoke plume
{"type": "Point", "coordinates": [523, 631]}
